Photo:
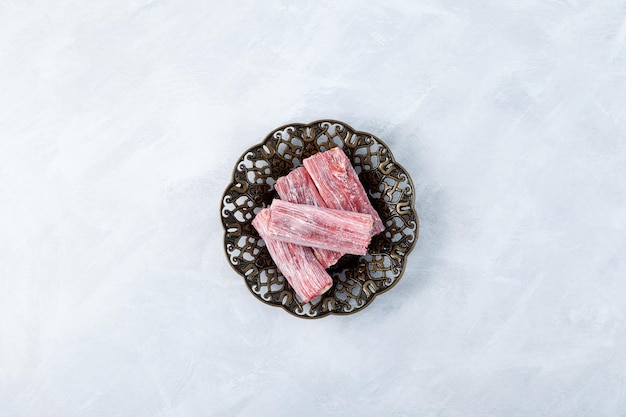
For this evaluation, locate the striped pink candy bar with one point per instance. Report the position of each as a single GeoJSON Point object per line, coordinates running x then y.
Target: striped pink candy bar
{"type": "Point", "coordinates": [297, 263]}
{"type": "Point", "coordinates": [297, 187]}
{"type": "Point", "coordinates": [339, 185]}
{"type": "Point", "coordinates": [318, 227]}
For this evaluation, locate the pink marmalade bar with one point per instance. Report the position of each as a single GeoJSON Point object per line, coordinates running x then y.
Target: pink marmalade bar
{"type": "Point", "coordinates": [297, 263]}
{"type": "Point", "coordinates": [317, 227]}
{"type": "Point", "coordinates": [339, 185]}
{"type": "Point", "coordinates": [297, 187]}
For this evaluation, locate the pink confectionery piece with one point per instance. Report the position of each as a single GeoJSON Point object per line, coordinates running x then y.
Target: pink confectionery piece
{"type": "Point", "coordinates": [298, 187]}
{"type": "Point", "coordinates": [339, 185]}
{"type": "Point", "coordinates": [318, 227]}
{"type": "Point", "coordinates": [297, 263]}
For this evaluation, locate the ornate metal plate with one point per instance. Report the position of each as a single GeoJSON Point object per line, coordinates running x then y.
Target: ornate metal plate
{"type": "Point", "coordinates": [357, 279]}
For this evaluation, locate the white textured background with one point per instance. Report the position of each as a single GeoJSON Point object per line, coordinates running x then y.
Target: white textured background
{"type": "Point", "coordinates": [120, 122]}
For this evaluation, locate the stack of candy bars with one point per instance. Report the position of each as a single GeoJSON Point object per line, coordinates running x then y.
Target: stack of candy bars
{"type": "Point", "coordinates": [323, 212]}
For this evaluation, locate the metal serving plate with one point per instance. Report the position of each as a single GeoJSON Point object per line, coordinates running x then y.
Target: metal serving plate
{"type": "Point", "coordinates": [357, 279]}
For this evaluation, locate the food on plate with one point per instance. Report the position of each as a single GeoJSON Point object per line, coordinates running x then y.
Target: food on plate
{"type": "Point", "coordinates": [297, 263]}
{"type": "Point", "coordinates": [318, 227]}
{"type": "Point", "coordinates": [339, 185]}
{"type": "Point", "coordinates": [298, 187]}
{"type": "Point", "coordinates": [323, 212]}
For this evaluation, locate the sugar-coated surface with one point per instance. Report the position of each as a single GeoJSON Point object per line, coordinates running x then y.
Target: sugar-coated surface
{"type": "Point", "coordinates": [320, 227]}
{"type": "Point", "coordinates": [339, 185]}
{"type": "Point", "coordinates": [297, 263]}
{"type": "Point", "coordinates": [298, 187]}
{"type": "Point", "coordinates": [120, 124]}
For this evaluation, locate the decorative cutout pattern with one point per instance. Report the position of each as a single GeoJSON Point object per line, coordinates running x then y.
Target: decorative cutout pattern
{"type": "Point", "coordinates": [357, 279]}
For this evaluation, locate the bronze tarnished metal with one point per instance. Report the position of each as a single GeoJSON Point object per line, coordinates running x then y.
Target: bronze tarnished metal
{"type": "Point", "coordinates": [357, 279]}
